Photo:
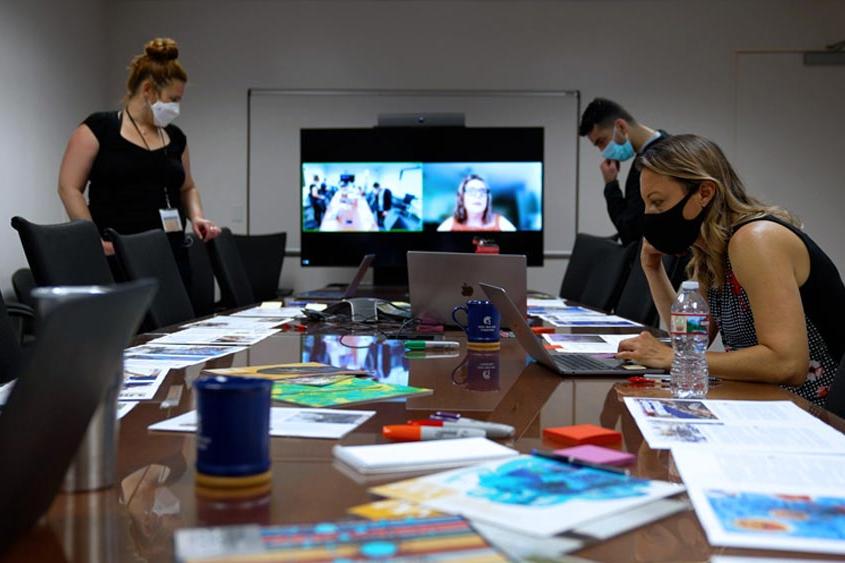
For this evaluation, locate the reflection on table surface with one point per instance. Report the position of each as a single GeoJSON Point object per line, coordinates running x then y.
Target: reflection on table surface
{"type": "Point", "coordinates": [155, 496]}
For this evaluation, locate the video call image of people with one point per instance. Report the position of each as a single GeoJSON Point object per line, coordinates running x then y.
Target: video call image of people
{"type": "Point", "coordinates": [362, 197]}
{"type": "Point", "coordinates": [383, 358]}
{"type": "Point", "coordinates": [483, 196]}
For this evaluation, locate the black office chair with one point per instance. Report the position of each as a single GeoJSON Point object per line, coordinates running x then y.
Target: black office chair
{"type": "Point", "coordinates": [64, 254]}
{"type": "Point", "coordinates": [588, 251]}
{"type": "Point", "coordinates": [201, 290]}
{"type": "Point", "coordinates": [76, 358]}
{"type": "Point", "coordinates": [235, 289]}
{"type": "Point", "coordinates": [148, 255]}
{"type": "Point", "coordinates": [607, 278]}
{"type": "Point", "coordinates": [262, 257]}
{"type": "Point", "coordinates": [835, 400]}
{"type": "Point", "coordinates": [10, 345]}
{"type": "Point", "coordinates": [23, 283]}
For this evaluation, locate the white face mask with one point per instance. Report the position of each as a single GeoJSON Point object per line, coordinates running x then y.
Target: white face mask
{"type": "Point", "coordinates": [164, 113]}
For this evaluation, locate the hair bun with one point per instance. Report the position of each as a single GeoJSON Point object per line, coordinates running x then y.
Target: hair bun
{"type": "Point", "coordinates": [162, 49]}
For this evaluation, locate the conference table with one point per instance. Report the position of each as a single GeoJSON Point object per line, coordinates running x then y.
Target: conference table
{"type": "Point", "coordinates": [154, 494]}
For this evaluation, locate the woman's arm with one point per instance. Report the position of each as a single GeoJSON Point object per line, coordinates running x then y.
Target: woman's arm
{"type": "Point", "coordinates": [770, 263]}
{"type": "Point", "coordinates": [79, 156]}
{"type": "Point", "coordinates": [203, 228]}
{"type": "Point", "coordinates": [82, 148]}
{"type": "Point", "coordinates": [661, 288]}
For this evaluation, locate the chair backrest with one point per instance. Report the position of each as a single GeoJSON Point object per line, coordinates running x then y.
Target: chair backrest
{"type": "Point", "coordinates": [235, 288]}
{"type": "Point", "coordinates": [835, 400]}
{"type": "Point", "coordinates": [588, 251]}
{"type": "Point", "coordinates": [64, 254]}
{"type": "Point", "coordinates": [607, 277]}
{"type": "Point", "coordinates": [148, 255]}
{"type": "Point", "coordinates": [201, 288]}
{"type": "Point", "coordinates": [23, 283]}
{"type": "Point", "coordinates": [262, 257]}
{"type": "Point", "coordinates": [10, 348]}
{"type": "Point", "coordinates": [76, 358]}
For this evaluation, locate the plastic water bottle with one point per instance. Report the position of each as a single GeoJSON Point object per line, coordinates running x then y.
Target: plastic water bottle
{"type": "Point", "coordinates": [690, 338]}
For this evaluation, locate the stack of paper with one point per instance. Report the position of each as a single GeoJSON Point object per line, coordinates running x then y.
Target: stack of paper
{"type": "Point", "coordinates": [270, 312]}
{"type": "Point", "coordinates": [441, 539]}
{"type": "Point", "coordinates": [761, 474]}
{"type": "Point", "coordinates": [750, 425]}
{"type": "Point", "coordinates": [530, 494]}
{"type": "Point", "coordinates": [177, 355]}
{"type": "Point", "coordinates": [773, 500]}
{"type": "Point", "coordinates": [216, 336]}
{"type": "Point", "coordinates": [420, 456]}
{"type": "Point", "coordinates": [297, 423]}
{"type": "Point", "coordinates": [141, 381]}
{"type": "Point", "coordinates": [226, 322]}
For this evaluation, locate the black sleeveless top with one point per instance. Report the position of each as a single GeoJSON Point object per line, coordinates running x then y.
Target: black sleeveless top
{"type": "Point", "coordinates": [127, 181]}
{"type": "Point", "coordinates": [823, 299]}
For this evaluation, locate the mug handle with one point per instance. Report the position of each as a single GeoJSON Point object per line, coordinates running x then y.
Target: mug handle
{"type": "Point", "coordinates": [454, 318]}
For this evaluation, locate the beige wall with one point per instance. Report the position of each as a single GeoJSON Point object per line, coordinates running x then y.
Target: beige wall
{"type": "Point", "coordinates": [52, 63]}
{"type": "Point", "coordinates": [670, 62]}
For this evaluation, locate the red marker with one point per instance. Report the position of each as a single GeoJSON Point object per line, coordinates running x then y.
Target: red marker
{"type": "Point", "coordinates": [412, 433]}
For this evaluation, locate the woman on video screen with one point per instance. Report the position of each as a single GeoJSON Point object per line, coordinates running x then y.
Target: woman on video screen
{"type": "Point", "coordinates": [473, 211]}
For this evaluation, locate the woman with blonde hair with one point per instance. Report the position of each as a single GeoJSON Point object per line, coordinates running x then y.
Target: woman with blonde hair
{"type": "Point", "coordinates": [774, 295]}
{"type": "Point", "coordinates": [134, 162]}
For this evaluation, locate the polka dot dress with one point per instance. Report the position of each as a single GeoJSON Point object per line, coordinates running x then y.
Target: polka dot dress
{"type": "Point", "coordinates": [731, 311]}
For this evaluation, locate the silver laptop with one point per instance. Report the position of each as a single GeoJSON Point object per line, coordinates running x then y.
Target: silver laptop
{"type": "Point", "coordinates": [349, 291]}
{"type": "Point", "coordinates": [564, 364]}
{"type": "Point", "coordinates": [440, 281]}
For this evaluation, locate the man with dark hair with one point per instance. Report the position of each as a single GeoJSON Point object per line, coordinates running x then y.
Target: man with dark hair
{"type": "Point", "coordinates": [619, 137]}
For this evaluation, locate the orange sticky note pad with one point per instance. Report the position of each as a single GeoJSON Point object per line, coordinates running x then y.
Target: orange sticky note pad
{"type": "Point", "coordinates": [582, 434]}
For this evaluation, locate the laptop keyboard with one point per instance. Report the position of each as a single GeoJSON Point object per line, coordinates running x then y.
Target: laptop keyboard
{"type": "Point", "coordinates": [580, 362]}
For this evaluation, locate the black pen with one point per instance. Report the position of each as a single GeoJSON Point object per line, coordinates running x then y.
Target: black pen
{"type": "Point", "coordinates": [579, 462]}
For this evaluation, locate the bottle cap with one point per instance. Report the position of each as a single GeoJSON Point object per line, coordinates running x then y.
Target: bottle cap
{"type": "Point", "coordinates": [689, 284]}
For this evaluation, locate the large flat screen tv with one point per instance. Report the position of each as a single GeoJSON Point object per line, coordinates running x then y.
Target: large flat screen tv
{"type": "Point", "coordinates": [389, 190]}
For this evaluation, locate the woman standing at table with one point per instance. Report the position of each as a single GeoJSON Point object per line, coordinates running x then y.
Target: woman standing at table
{"type": "Point", "coordinates": [135, 161]}
{"type": "Point", "coordinates": [774, 295]}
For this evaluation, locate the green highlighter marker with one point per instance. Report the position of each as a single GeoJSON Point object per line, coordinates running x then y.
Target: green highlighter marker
{"type": "Point", "coordinates": [431, 344]}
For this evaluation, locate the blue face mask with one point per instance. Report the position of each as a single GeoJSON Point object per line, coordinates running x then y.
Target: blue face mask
{"type": "Point", "coordinates": [615, 151]}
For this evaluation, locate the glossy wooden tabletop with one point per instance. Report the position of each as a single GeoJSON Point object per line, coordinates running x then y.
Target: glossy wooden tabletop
{"type": "Point", "coordinates": [155, 495]}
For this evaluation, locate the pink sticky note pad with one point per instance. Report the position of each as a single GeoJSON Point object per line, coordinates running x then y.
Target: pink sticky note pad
{"type": "Point", "coordinates": [598, 454]}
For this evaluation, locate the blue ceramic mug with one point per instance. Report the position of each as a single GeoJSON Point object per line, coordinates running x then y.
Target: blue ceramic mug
{"type": "Point", "coordinates": [233, 425]}
{"type": "Point", "coordinates": [482, 321]}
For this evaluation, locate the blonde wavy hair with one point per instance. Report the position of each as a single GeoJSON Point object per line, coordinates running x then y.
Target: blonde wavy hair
{"type": "Point", "coordinates": [691, 160]}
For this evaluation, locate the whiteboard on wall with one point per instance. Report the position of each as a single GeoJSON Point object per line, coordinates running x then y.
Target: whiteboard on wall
{"type": "Point", "coordinates": [276, 117]}
{"type": "Point", "coordinates": [790, 121]}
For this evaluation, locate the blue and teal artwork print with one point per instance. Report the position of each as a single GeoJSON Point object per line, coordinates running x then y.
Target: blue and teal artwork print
{"type": "Point", "coordinates": [534, 481]}
{"type": "Point", "coordinates": [780, 515]}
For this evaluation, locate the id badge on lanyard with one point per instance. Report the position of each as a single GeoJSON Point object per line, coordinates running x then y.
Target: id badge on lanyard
{"type": "Point", "coordinates": [171, 222]}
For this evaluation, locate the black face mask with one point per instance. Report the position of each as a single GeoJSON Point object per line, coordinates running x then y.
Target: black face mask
{"type": "Point", "coordinates": [669, 232]}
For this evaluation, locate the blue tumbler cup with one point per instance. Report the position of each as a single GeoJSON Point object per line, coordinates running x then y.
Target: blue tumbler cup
{"type": "Point", "coordinates": [233, 434]}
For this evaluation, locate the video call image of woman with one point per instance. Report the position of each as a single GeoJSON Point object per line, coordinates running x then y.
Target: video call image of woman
{"type": "Point", "coordinates": [474, 209]}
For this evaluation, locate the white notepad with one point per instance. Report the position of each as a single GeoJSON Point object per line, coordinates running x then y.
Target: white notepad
{"type": "Point", "coordinates": [418, 456]}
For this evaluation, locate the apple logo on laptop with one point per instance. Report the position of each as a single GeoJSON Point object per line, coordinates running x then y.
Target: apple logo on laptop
{"type": "Point", "coordinates": [466, 290]}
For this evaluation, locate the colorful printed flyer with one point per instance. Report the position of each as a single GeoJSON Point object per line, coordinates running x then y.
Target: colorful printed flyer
{"type": "Point", "coordinates": [345, 392]}
{"type": "Point", "coordinates": [446, 539]}
{"type": "Point", "coordinates": [530, 494]}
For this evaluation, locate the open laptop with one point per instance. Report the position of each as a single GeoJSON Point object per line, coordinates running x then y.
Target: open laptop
{"type": "Point", "coordinates": [340, 293]}
{"type": "Point", "coordinates": [440, 281]}
{"type": "Point", "coordinates": [564, 364]}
